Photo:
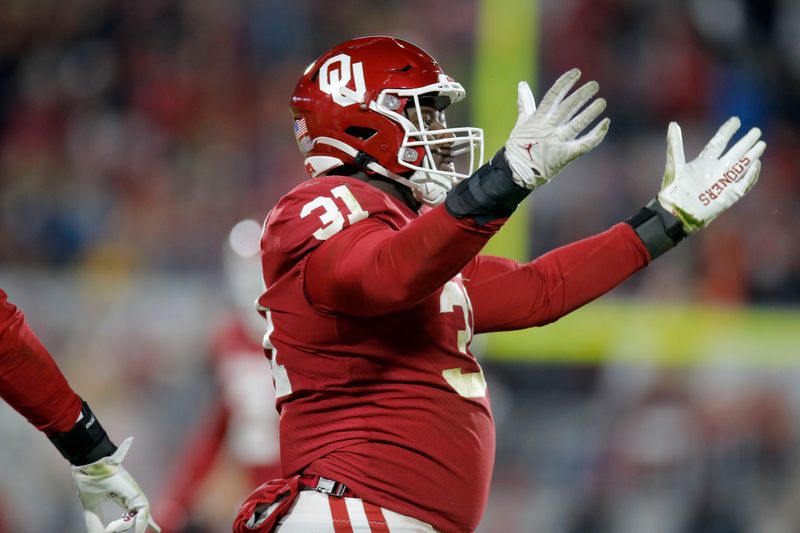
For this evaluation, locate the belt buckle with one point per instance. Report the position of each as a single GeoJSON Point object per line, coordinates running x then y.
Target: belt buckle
{"type": "Point", "coordinates": [331, 487]}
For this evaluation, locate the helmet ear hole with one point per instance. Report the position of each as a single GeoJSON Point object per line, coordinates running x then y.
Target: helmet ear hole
{"type": "Point", "coordinates": [360, 132]}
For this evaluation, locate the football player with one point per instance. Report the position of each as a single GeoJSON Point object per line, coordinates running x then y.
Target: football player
{"type": "Point", "coordinates": [31, 383]}
{"type": "Point", "coordinates": [375, 284]}
{"type": "Point", "coordinates": [241, 423]}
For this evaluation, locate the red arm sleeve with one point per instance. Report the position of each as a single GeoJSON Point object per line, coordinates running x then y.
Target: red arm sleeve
{"type": "Point", "coordinates": [30, 380]}
{"type": "Point", "coordinates": [371, 269]}
{"type": "Point", "coordinates": [507, 295]}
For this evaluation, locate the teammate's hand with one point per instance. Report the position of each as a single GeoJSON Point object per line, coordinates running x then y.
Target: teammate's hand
{"type": "Point", "coordinates": [105, 480]}
{"type": "Point", "coordinates": [698, 191]}
{"type": "Point", "coordinates": [544, 140]}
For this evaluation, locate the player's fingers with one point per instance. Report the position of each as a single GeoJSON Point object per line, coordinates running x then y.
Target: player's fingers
{"type": "Point", "coordinates": [594, 137]}
{"type": "Point", "coordinates": [745, 145]}
{"type": "Point", "coordinates": [119, 455]}
{"type": "Point", "coordinates": [675, 157]}
{"type": "Point", "coordinates": [526, 104]}
{"type": "Point", "coordinates": [559, 90]}
{"type": "Point", "coordinates": [750, 178]}
{"type": "Point", "coordinates": [756, 151]}
{"type": "Point", "coordinates": [575, 101]}
{"type": "Point", "coordinates": [151, 523]}
{"type": "Point", "coordinates": [142, 520]}
{"type": "Point", "coordinates": [579, 123]}
{"type": "Point", "coordinates": [720, 140]}
{"type": "Point", "coordinates": [130, 521]}
{"type": "Point", "coordinates": [92, 519]}
{"type": "Point", "coordinates": [675, 144]}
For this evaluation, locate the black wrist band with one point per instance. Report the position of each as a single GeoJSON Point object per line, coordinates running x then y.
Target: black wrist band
{"type": "Point", "coordinates": [490, 193]}
{"type": "Point", "coordinates": [86, 442]}
{"type": "Point", "coordinates": [658, 229]}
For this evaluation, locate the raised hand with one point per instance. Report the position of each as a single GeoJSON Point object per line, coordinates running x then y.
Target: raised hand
{"type": "Point", "coordinates": [698, 191]}
{"type": "Point", "coordinates": [545, 140]}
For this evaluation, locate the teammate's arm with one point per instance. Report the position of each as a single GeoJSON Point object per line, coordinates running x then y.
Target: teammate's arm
{"type": "Point", "coordinates": [30, 381]}
{"type": "Point", "coordinates": [32, 384]}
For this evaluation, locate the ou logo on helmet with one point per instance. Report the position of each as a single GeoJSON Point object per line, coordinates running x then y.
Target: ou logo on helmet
{"type": "Point", "coordinates": [336, 73]}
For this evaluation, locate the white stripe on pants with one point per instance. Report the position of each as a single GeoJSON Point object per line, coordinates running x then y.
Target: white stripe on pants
{"type": "Point", "coordinates": [311, 513]}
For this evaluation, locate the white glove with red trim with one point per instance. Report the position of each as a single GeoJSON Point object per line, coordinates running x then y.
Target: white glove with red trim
{"type": "Point", "coordinates": [545, 140]}
{"type": "Point", "coordinates": [698, 191]}
{"type": "Point", "coordinates": [104, 480]}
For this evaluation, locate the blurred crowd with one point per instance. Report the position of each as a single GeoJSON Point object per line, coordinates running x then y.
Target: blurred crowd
{"type": "Point", "coordinates": [624, 449]}
{"type": "Point", "coordinates": [133, 135]}
{"type": "Point", "coordinates": [136, 133]}
{"type": "Point", "coordinates": [696, 62]}
{"type": "Point", "coordinates": [139, 132]}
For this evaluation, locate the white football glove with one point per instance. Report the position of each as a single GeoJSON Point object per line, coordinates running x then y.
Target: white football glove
{"type": "Point", "coordinates": [543, 140]}
{"type": "Point", "coordinates": [698, 191]}
{"type": "Point", "coordinates": [106, 479]}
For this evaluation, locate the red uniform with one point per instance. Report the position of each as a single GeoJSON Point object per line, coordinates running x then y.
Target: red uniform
{"type": "Point", "coordinates": [372, 310]}
{"type": "Point", "coordinates": [242, 418]}
{"type": "Point", "coordinates": [247, 398]}
{"type": "Point", "coordinates": [30, 380]}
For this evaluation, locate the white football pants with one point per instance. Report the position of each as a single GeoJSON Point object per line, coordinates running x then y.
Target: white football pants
{"type": "Point", "coordinates": [315, 512]}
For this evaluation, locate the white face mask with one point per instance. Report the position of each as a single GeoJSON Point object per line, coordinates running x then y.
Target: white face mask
{"type": "Point", "coordinates": [430, 184]}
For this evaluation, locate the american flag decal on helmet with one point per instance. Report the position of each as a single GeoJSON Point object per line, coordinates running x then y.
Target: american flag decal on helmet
{"type": "Point", "coordinates": [300, 128]}
{"type": "Point", "coordinates": [301, 134]}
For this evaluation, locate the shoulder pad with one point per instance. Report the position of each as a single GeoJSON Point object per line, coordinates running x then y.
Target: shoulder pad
{"type": "Point", "coordinates": [320, 208]}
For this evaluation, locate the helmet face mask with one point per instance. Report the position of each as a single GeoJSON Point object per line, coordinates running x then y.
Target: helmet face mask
{"type": "Point", "coordinates": [416, 149]}
{"type": "Point", "coordinates": [350, 108]}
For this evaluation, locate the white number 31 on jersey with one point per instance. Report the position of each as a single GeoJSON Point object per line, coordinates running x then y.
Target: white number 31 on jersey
{"type": "Point", "coordinates": [331, 217]}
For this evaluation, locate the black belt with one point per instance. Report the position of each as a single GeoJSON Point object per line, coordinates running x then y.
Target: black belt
{"type": "Point", "coordinates": [326, 486]}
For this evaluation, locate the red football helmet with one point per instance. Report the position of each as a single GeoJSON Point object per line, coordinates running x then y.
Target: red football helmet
{"type": "Point", "coordinates": [349, 107]}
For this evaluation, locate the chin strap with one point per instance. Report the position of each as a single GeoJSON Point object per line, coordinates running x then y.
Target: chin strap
{"type": "Point", "coordinates": [367, 162]}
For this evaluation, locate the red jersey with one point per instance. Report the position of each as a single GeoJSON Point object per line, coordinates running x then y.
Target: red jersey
{"type": "Point", "coordinates": [30, 380]}
{"type": "Point", "coordinates": [248, 399]}
{"type": "Point", "coordinates": [370, 312]}
{"type": "Point", "coordinates": [242, 417]}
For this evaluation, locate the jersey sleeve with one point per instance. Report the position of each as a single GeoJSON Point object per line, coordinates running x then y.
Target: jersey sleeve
{"type": "Point", "coordinates": [362, 256]}
{"type": "Point", "coordinates": [30, 380]}
{"type": "Point", "coordinates": [374, 270]}
{"type": "Point", "coordinates": [320, 209]}
{"type": "Point", "coordinates": [507, 295]}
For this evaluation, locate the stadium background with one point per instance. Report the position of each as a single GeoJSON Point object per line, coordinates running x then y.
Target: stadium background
{"type": "Point", "coordinates": [133, 135]}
